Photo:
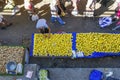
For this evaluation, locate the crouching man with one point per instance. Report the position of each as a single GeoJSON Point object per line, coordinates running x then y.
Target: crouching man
{"type": "Point", "coordinates": [4, 23]}
{"type": "Point", "coordinates": [43, 27]}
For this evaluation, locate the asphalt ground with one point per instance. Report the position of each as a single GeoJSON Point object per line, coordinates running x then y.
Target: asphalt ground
{"type": "Point", "coordinates": [22, 29]}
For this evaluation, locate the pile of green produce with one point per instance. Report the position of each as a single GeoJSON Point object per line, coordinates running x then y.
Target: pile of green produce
{"type": "Point", "coordinates": [43, 74]}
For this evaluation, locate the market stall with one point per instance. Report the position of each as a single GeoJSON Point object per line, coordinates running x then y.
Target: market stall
{"type": "Point", "coordinates": [11, 60]}
{"type": "Point", "coordinates": [87, 45]}
{"type": "Point", "coordinates": [98, 44]}
{"type": "Point", "coordinates": [56, 45]}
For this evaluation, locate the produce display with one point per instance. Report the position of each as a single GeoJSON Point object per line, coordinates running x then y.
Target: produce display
{"type": "Point", "coordinates": [9, 53]}
{"type": "Point", "coordinates": [43, 74]}
{"type": "Point", "coordinates": [99, 42]}
{"type": "Point", "coordinates": [56, 45]}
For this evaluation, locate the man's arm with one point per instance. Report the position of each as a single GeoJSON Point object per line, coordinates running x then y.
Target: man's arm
{"type": "Point", "coordinates": [49, 31]}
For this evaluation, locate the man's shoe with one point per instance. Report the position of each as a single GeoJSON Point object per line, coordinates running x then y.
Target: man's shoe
{"type": "Point", "coordinates": [63, 23]}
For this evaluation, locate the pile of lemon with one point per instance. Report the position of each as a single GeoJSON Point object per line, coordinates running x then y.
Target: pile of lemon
{"type": "Point", "coordinates": [56, 45]}
{"type": "Point", "coordinates": [99, 42]}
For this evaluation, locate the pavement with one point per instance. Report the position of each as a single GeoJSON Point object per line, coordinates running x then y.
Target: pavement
{"type": "Point", "coordinates": [79, 73]}
{"type": "Point", "coordinates": [62, 73]}
{"type": "Point", "coordinates": [22, 29]}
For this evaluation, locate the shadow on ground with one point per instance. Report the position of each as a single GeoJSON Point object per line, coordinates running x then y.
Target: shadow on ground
{"type": "Point", "coordinates": [107, 62]}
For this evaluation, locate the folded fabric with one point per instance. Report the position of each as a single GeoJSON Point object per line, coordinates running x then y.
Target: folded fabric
{"type": "Point", "coordinates": [118, 23]}
{"type": "Point", "coordinates": [105, 21]}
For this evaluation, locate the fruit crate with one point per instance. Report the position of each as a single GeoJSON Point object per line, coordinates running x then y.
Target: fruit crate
{"type": "Point", "coordinates": [11, 55]}
{"type": "Point", "coordinates": [88, 39]}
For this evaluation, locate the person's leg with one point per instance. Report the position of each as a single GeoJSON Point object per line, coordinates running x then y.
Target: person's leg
{"type": "Point", "coordinates": [92, 5]}
{"type": "Point", "coordinates": [89, 4]}
{"type": "Point", "coordinates": [53, 19]}
{"type": "Point", "coordinates": [2, 25]}
{"type": "Point", "coordinates": [74, 4]}
{"type": "Point", "coordinates": [116, 27]}
{"type": "Point", "coordinates": [6, 23]}
{"type": "Point", "coordinates": [9, 24]}
{"type": "Point", "coordinates": [60, 20]}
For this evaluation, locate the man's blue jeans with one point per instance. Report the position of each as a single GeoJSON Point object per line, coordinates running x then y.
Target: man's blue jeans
{"type": "Point", "coordinates": [53, 19]}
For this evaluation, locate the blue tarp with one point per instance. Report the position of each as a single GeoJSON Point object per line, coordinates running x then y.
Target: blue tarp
{"type": "Point", "coordinates": [74, 41]}
{"type": "Point", "coordinates": [32, 45]}
{"type": "Point", "coordinates": [95, 75]}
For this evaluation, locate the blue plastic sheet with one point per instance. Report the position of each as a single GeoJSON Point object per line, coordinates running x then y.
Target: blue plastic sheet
{"type": "Point", "coordinates": [74, 41]}
{"type": "Point", "coordinates": [95, 75]}
{"type": "Point", "coordinates": [32, 45]}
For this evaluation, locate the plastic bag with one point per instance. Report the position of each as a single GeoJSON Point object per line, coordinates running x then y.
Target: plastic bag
{"type": "Point", "coordinates": [62, 14]}
{"type": "Point", "coordinates": [34, 17]}
{"type": "Point", "coordinates": [19, 68]}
